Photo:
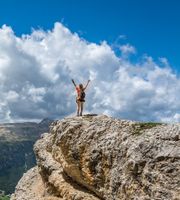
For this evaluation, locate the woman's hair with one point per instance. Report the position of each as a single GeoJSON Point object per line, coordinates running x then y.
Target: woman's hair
{"type": "Point", "coordinates": [81, 86]}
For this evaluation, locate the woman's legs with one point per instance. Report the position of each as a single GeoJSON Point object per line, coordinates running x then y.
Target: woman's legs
{"type": "Point", "coordinates": [81, 107]}
{"type": "Point", "coordinates": [78, 107]}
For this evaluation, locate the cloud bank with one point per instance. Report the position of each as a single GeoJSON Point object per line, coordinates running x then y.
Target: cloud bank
{"type": "Point", "coordinates": [36, 72]}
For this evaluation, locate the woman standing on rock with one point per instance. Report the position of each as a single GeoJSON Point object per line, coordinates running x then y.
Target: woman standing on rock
{"type": "Point", "coordinates": [80, 99]}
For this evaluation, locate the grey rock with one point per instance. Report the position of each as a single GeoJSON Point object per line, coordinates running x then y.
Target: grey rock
{"type": "Point", "coordinates": [98, 157]}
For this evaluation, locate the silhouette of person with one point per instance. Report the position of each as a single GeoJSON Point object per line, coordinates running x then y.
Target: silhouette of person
{"type": "Point", "coordinates": [80, 98]}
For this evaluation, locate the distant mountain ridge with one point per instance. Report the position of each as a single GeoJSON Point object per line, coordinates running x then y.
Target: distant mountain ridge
{"type": "Point", "coordinates": [16, 155]}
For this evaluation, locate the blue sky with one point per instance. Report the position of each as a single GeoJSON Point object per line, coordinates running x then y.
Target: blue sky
{"type": "Point", "coordinates": [129, 49]}
{"type": "Point", "coordinates": [152, 26]}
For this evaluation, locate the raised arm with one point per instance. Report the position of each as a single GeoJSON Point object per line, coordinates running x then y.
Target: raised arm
{"type": "Point", "coordinates": [87, 84]}
{"type": "Point", "coordinates": [73, 83]}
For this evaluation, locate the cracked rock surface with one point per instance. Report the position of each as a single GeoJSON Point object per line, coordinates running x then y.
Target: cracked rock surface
{"type": "Point", "coordinates": [99, 157]}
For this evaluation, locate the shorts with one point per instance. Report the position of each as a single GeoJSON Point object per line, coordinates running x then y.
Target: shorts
{"type": "Point", "coordinates": [80, 100]}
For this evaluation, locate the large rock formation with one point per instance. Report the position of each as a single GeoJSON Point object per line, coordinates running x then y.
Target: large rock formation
{"type": "Point", "coordinates": [98, 157]}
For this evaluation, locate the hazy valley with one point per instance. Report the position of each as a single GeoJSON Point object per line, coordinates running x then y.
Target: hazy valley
{"type": "Point", "coordinates": [16, 155]}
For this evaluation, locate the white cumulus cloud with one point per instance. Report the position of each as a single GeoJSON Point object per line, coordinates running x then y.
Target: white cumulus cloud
{"type": "Point", "coordinates": [127, 49]}
{"type": "Point", "coordinates": [36, 72]}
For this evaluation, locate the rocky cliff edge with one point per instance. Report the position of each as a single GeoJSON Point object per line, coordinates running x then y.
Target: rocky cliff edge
{"type": "Point", "coordinates": [101, 158]}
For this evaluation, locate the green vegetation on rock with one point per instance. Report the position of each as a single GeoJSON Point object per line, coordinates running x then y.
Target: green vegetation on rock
{"type": "Point", "coordinates": [139, 128]}
{"type": "Point", "coordinates": [4, 197]}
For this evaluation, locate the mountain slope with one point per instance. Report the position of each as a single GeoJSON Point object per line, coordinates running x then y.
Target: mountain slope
{"type": "Point", "coordinates": [16, 155]}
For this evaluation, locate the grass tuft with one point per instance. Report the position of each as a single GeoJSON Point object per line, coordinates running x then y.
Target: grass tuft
{"type": "Point", "coordinates": [139, 128]}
